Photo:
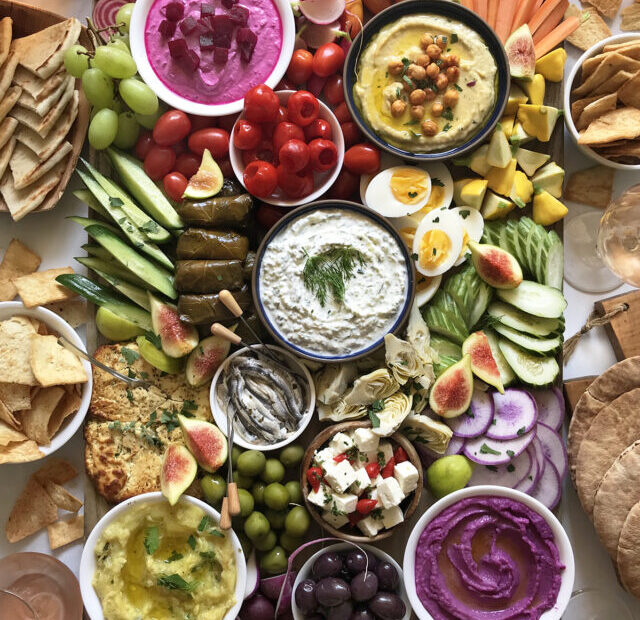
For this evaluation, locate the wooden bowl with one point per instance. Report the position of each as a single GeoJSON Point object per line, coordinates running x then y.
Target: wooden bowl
{"type": "Point", "coordinates": [325, 436]}
{"type": "Point", "coordinates": [27, 20]}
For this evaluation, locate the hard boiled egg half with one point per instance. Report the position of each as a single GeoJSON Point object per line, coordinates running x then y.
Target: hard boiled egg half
{"type": "Point", "coordinates": [472, 228]}
{"type": "Point", "coordinates": [399, 191]}
{"type": "Point", "coordinates": [438, 242]}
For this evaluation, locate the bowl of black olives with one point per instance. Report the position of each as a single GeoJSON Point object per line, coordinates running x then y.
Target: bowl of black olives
{"type": "Point", "coordinates": [349, 582]}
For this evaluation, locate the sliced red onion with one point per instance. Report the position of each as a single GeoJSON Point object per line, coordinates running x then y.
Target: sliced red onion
{"type": "Point", "coordinates": [322, 11]}
{"type": "Point", "coordinates": [471, 84]}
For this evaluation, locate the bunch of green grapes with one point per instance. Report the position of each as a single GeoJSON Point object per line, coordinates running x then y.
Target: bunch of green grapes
{"type": "Point", "coordinates": [121, 101]}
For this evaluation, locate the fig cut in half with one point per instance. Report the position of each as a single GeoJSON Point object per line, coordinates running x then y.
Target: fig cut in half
{"type": "Point", "coordinates": [177, 337]}
{"type": "Point", "coordinates": [205, 441]}
{"type": "Point", "coordinates": [495, 266]}
{"type": "Point", "coordinates": [451, 393]}
{"type": "Point", "coordinates": [179, 469]}
{"type": "Point", "coordinates": [483, 364]}
{"type": "Point", "coordinates": [521, 53]}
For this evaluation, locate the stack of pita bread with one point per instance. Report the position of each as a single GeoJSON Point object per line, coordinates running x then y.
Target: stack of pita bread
{"type": "Point", "coordinates": [38, 105]}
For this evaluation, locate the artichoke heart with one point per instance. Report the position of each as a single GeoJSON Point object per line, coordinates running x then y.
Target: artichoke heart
{"type": "Point", "coordinates": [340, 411]}
{"type": "Point", "coordinates": [430, 433]}
{"type": "Point", "coordinates": [396, 408]}
{"type": "Point", "coordinates": [376, 385]}
{"type": "Point", "coordinates": [419, 337]}
{"type": "Point", "coordinates": [332, 382]}
{"type": "Point", "coordinates": [402, 359]}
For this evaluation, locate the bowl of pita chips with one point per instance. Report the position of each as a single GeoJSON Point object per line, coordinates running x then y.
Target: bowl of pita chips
{"type": "Point", "coordinates": [602, 102]}
{"type": "Point", "coordinates": [45, 389]}
{"type": "Point", "coordinates": [43, 112]}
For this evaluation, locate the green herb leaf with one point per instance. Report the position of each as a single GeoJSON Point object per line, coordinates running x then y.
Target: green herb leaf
{"type": "Point", "coordinates": [173, 557]}
{"type": "Point", "coordinates": [454, 38]}
{"type": "Point", "coordinates": [192, 541]}
{"type": "Point", "coordinates": [485, 449]}
{"type": "Point", "coordinates": [129, 355]}
{"type": "Point", "coordinates": [149, 226]}
{"type": "Point", "coordinates": [176, 582]}
{"type": "Point", "coordinates": [520, 431]}
{"type": "Point", "coordinates": [446, 127]}
{"type": "Point", "coordinates": [413, 121]}
{"type": "Point", "coordinates": [203, 524]}
{"type": "Point", "coordinates": [465, 213]}
{"type": "Point", "coordinates": [447, 114]}
{"type": "Point", "coordinates": [510, 468]}
{"type": "Point", "coordinates": [115, 202]}
{"type": "Point", "coordinates": [152, 540]}
{"type": "Point", "coordinates": [436, 182]}
{"type": "Point", "coordinates": [129, 394]}
{"type": "Point", "coordinates": [414, 256]}
{"type": "Point", "coordinates": [375, 420]}
{"type": "Point", "coordinates": [154, 340]}
{"type": "Point", "coordinates": [458, 88]}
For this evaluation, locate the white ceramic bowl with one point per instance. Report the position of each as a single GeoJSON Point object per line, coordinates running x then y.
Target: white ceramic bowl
{"type": "Point", "coordinates": [593, 51]}
{"type": "Point", "coordinates": [220, 416]}
{"type": "Point", "coordinates": [305, 572]}
{"type": "Point", "coordinates": [561, 540]}
{"type": "Point", "coordinates": [88, 560]}
{"type": "Point", "coordinates": [139, 53]}
{"type": "Point", "coordinates": [61, 327]}
{"type": "Point", "coordinates": [322, 180]}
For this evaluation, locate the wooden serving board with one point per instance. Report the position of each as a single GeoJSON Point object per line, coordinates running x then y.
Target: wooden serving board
{"type": "Point", "coordinates": [623, 329]}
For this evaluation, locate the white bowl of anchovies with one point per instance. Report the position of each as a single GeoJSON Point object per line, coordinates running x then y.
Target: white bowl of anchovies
{"type": "Point", "coordinates": [271, 401]}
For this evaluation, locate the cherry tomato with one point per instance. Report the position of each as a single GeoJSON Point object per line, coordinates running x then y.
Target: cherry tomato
{"type": "Point", "coordinates": [226, 122]}
{"type": "Point", "coordinates": [295, 184]}
{"type": "Point", "coordinates": [174, 185]}
{"type": "Point", "coordinates": [261, 104]}
{"type": "Point", "coordinates": [314, 477]}
{"type": "Point", "coordinates": [260, 178]}
{"type": "Point", "coordinates": [179, 147]}
{"type": "Point", "coordinates": [284, 132]}
{"type": "Point", "coordinates": [303, 108]}
{"type": "Point", "coordinates": [144, 144]}
{"type": "Point", "coordinates": [159, 161]}
{"type": "Point", "coordinates": [333, 91]}
{"type": "Point", "coordinates": [351, 134]}
{"type": "Point", "coordinates": [268, 215]}
{"type": "Point", "coordinates": [226, 168]}
{"type": "Point", "coordinates": [362, 159]}
{"type": "Point", "coordinates": [171, 127]}
{"type": "Point", "coordinates": [212, 138]}
{"type": "Point", "coordinates": [201, 122]}
{"type": "Point", "coordinates": [328, 59]}
{"type": "Point", "coordinates": [342, 113]}
{"type": "Point", "coordinates": [301, 67]}
{"type": "Point", "coordinates": [400, 455]}
{"type": "Point", "coordinates": [294, 155]}
{"type": "Point", "coordinates": [246, 135]}
{"type": "Point", "coordinates": [340, 457]}
{"type": "Point", "coordinates": [345, 186]}
{"type": "Point", "coordinates": [264, 152]}
{"type": "Point", "coordinates": [355, 518]}
{"type": "Point", "coordinates": [318, 129]}
{"type": "Point", "coordinates": [187, 164]}
{"type": "Point", "coordinates": [323, 154]}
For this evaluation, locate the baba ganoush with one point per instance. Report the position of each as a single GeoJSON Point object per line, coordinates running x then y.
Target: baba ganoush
{"type": "Point", "coordinates": [296, 287]}
{"type": "Point", "coordinates": [426, 83]}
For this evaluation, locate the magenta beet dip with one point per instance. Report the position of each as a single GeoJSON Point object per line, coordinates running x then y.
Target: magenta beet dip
{"type": "Point", "coordinates": [215, 83]}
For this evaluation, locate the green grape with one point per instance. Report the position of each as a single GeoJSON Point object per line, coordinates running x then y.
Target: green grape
{"type": "Point", "coordinates": [124, 15]}
{"type": "Point", "coordinates": [138, 96]}
{"type": "Point", "coordinates": [148, 121]}
{"type": "Point", "coordinates": [123, 38]}
{"type": "Point", "coordinates": [98, 87]}
{"type": "Point", "coordinates": [128, 130]}
{"type": "Point", "coordinates": [103, 129]}
{"type": "Point", "coordinates": [76, 62]}
{"type": "Point", "coordinates": [119, 44]}
{"type": "Point", "coordinates": [114, 62]}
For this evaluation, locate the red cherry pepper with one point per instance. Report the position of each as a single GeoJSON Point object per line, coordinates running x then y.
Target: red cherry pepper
{"type": "Point", "coordinates": [373, 469]}
{"type": "Point", "coordinates": [354, 518]}
{"type": "Point", "coordinates": [365, 506]}
{"type": "Point", "coordinates": [314, 477]}
{"type": "Point", "coordinates": [399, 455]}
{"type": "Point", "coordinates": [340, 457]}
{"type": "Point", "coordinates": [387, 470]}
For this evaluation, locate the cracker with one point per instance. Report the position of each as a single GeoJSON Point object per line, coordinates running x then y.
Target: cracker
{"type": "Point", "coordinates": [15, 397]}
{"type": "Point", "coordinates": [613, 84]}
{"type": "Point", "coordinates": [611, 64]}
{"type": "Point", "coordinates": [595, 109]}
{"type": "Point", "coordinates": [57, 470]}
{"type": "Point", "coordinates": [629, 92]}
{"type": "Point", "coordinates": [33, 511]}
{"type": "Point", "coordinates": [6, 33]}
{"type": "Point", "coordinates": [592, 186]}
{"type": "Point", "coordinates": [61, 497]}
{"type": "Point", "coordinates": [52, 364]}
{"type": "Point", "coordinates": [35, 421]}
{"type": "Point", "coordinates": [9, 435]}
{"type": "Point", "coordinates": [591, 30]}
{"type": "Point", "coordinates": [15, 351]}
{"type": "Point", "coordinates": [73, 311]}
{"type": "Point", "coordinates": [7, 416]}
{"type": "Point", "coordinates": [20, 452]}
{"type": "Point", "coordinates": [41, 288]}
{"type": "Point", "coordinates": [69, 404]}
{"type": "Point", "coordinates": [620, 124]}
{"type": "Point", "coordinates": [65, 531]}
{"type": "Point", "coordinates": [579, 105]}
{"type": "Point", "coordinates": [629, 148]}
{"type": "Point", "coordinates": [609, 8]}
{"type": "Point", "coordinates": [21, 202]}
{"type": "Point", "coordinates": [18, 260]}
{"type": "Point", "coordinates": [630, 17]}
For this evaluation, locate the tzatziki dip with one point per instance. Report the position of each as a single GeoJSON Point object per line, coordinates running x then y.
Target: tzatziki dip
{"type": "Point", "coordinates": [333, 282]}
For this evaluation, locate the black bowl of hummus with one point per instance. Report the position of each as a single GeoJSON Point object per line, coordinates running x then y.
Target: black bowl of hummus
{"type": "Point", "coordinates": [426, 81]}
{"type": "Point", "coordinates": [331, 279]}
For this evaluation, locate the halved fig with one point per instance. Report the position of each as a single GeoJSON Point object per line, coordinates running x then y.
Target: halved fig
{"type": "Point", "coordinates": [177, 337]}
{"type": "Point", "coordinates": [205, 359]}
{"type": "Point", "coordinates": [451, 393]}
{"type": "Point", "coordinates": [483, 364]}
{"type": "Point", "coordinates": [179, 469]}
{"type": "Point", "coordinates": [495, 266]}
{"type": "Point", "coordinates": [521, 53]}
{"type": "Point", "coordinates": [207, 181]}
{"type": "Point", "coordinates": [205, 441]}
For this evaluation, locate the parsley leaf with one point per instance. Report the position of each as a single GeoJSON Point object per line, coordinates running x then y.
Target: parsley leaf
{"type": "Point", "coordinates": [203, 524]}
{"type": "Point", "coordinates": [173, 557]}
{"type": "Point", "coordinates": [436, 182]}
{"type": "Point", "coordinates": [447, 114]}
{"type": "Point", "coordinates": [129, 394]}
{"type": "Point", "coordinates": [192, 541]}
{"type": "Point", "coordinates": [154, 340]}
{"type": "Point", "coordinates": [465, 213]}
{"type": "Point", "coordinates": [152, 540]}
{"type": "Point", "coordinates": [454, 38]}
{"type": "Point", "coordinates": [115, 202]}
{"type": "Point", "coordinates": [175, 582]}
{"type": "Point", "coordinates": [458, 88]}
{"type": "Point", "coordinates": [485, 449]}
{"type": "Point", "coordinates": [446, 127]}
{"type": "Point", "coordinates": [149, 226]}
{"type": "Point", "coordinates": [129, 355]}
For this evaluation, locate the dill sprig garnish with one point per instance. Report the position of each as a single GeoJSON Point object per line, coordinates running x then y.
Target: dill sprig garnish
{"type": "Point", "coordinates": [330, 270]}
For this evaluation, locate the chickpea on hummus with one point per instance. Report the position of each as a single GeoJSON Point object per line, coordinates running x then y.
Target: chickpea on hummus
{"type": "Point", "coordinates": [426, 83]}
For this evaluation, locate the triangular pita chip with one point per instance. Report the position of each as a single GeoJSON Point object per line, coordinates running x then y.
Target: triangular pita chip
{"type": "Point", "coordinates": [629, 93]}
{"type": "Point", "coordinates": [609, 8]}
{"type": "Point", "coordinates": [614, 83]}
{"type": "Point", "coordinates": [15, 351]}
{"type": "Point", "coordinates": [8, 434]}
{"type": "Point", "coordinates": [7, 127]}
{"type": "Point", "coordinates": [7, 69]}
{"type": "Point", "coordinates": [593, 186]}
{"type": "Point", "coordinates": [576, 107]}
{"type": "Point", "coordinates": [595, 109]}
{"type": "Point", "coordinates": [49, 120]}
{"type": "Point", "coordinates": [5, 156]}
{"type": "Point", "coordinates": [65, 531]}
{"type": "Point", "coordinates": [620, 124]}
{"type": "Point", "coordinates": [69, 404]}
{"type": "Point", "coordinates": [7, 416]}
{"type": "Point", "coordinates": [20, 452]}
{"type": "Point", "coordinates": [73, 311]}
{"type": "Point", "coordinates": [61, 497]}
{"type": "Point", "coordinates": [26, 117]}
{"type": "Point", "coordinates": [52, 364]}
{"type": "Point", "coordinates": [610, 65]}
{"type": "Point", "coordinates": [42, 106]}
{"type": "Point", "coordinates": [6, 24]}
{"type": "Point", "coordinates": [18, 260]}
{"type": "Point", "coordinates": [629, 148]}
{"type": "Point", "coordinates": [11, 96]}
{"type": "Point", "coordinates": [14, 396]}
{"type": "Point", "coordinates": [58, 470]}
{"type": "Point", "coordinates": [630, 17]}
{"type": "Point", "coordinates": [33, 511]}
{"type": "Point", "coordinates": [35, 421]}
{"type": "Point", "coordinates": [40, 287]}
{"type": "Point", "coordinates": [592, 29]}
{"type": "Point", "coordinates": [27, 168]}
{"type": "Point", "coordinates": [36, 87]}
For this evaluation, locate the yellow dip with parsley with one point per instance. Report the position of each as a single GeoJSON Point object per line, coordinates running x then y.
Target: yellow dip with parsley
{"type": "Point", "coordinates": [423, 98]}
{"type": "Point", "coordinates": [157, 562]}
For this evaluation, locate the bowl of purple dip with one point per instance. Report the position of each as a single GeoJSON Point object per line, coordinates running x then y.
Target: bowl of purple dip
{"type": "Point", "coordinates": [488, 552]}
{"type": "Point", "coordinates": [203, 56]}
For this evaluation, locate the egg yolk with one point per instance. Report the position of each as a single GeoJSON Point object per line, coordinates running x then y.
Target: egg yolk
{"type": "Point", "coordinates": [409, 186]}
{"type": "Point", "coordinates": [435, 247]}
{"type": "Point", "coordinates": [435, 199]}
{"type": "Point", "coordinates": [407, 235]}
{"type": "Point", "coordinates": [465, 241]}
{"type": "Point", "coordinates": [423, 283]}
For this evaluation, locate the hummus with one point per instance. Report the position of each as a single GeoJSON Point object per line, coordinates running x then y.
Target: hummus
{"type": "Point", "coordinates": [215, 83]}
{"type": "Point", "coordinates": [487, 558]}
{"type": "Point", "coordinates": [159, 562]}
{"type": "Point", "coordinates": [372, 298]}
{"type": "Point", "coordinates": [397, 61]}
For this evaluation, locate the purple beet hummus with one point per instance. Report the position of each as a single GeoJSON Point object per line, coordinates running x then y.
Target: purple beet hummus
{"type": "Point", "coordinates": [488, 558]}
{"type": "Point", "coordinates": [213, 82]}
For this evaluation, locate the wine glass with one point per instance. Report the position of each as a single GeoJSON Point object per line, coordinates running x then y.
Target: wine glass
{"type": "Point", "coordinates": [596, 604]}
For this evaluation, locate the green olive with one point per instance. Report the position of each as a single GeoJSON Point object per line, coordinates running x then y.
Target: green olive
{"type": "Point", "coordinates": [246, 544]}
{"type": "Point", "coordinates": [256, 526]}
{"type": "Point", "coordinates": [235, 454]}
{"type": "Point", "coordinates": [289, 543]}
{"type": "Point", "coordinates": [251, 462]}
{"type": "Point", "coordinates": [297, 522]}
{"type": "Point", "coordinates": [276, 518]}
{"type": "Point", "coordinates": [213, 487]}
{"type": "Point", "coordinates": [246, 502]}
{"type": "Point", "coordinates": [273, 471]}
{"type": "Point", "coordinates": [266, 543]}
{"type": "Point", "coordinates": [291, 456]}
{"type": "Point", "coordinates": [257, 491]}
{"type": "Point", "coordinates": [295, 493]}
{"type": "Point", "coordinates": [274, 562]}
{"type": "Point", "coordinates": [276, 496]}
{"type": "Point", "coordinates": [243, 482]}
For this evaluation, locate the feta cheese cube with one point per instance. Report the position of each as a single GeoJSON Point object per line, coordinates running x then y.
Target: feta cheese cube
{"type": "Point", "coordinates": [392, 516]}
{"type": "Point", "coordinates": [336, 520]}
{"type": "Point", "coordinates": [324, 456]}
{"type": "Point", "coordinates": [377, 481]}
{"type": "Point", "coordinates": [389, 493]}
{"type": "Point", "coordinates": [387, 450]}
{"type": "Point", "coordinates": [407, 476]}
{"type": "Point", "coordinates": [340, 443]}
{"type": "Point", "coordinates": [343, 502]}
{"type": "Point", "coordinates": [373, 494]}
{"type": "Point", "coordinates": [321, 497]}
{"type": "Point", "coordinates": [339, 476]}
{"type": "Point", "coordinates": [361, 483]}
{"type": "Point", "coordinates": [369, 526]}
{"type": "Point", "coordinates": [365, 439]}
{"type": "Point", "coordinates": [372, 457]}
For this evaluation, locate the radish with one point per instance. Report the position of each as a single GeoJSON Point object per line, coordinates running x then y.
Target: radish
{"type": "Point", "coordinates": [486, 451]}
{"type": "Point", "coordinates": [509, 475]}
{"type": "Point", "coordinates": [551, 407]}
{"type": "Point", "coordinates": [548, 490]}
{"type": "Point", "coordinates": [477, 420]}
{"type": "Point", "coordinates": [515, 414]}
{"type": "Point", "coordinates": [253, 576]}
{"type": "Point", "coordinates": [553, 448]}
{"type": "Point", "coordinates": [322, 11]}
{"type": "Point", "coordinates": [316, 35]}
{"type": "Point", "coordinates": [272, 588]}
{"type": "Point", "coordinates": [531, 479]}
{"type": "Point", "coordinates": [456, 445]}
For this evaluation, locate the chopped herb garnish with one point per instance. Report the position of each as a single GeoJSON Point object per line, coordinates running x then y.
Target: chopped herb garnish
{"type": "Point", "coordinates": [152, 540]}
{"type": "Point", "coordinates": [521, 431]}
{"type": "Point", "coordinates": [375, 420]}
{"type": "Point", "coordinates": [436, 220]}
{"type": "Point", "coordinates": [465, 213]}
{"type": "Point", "coordinates": [454, 38]}
{"type": "Point", "coordinates": [413, 121]}
{"type": "Point", "coordinates": [129, 394]}
{"type": "Point", "coordinates": [203, 524]}
{"type": "Point", "coordinates": [115, 202]}
{"type": "Point", "coordinates": [175, 582]}
{"type": "Point", "coordinates": [129, 355]}
{"type": "Point", "coordinates": [447, 114]}
{"type": "Point", "coordinates": [414, 256]}
{"type": "Point", "coordinates": [413, 194]}
{"type": "Point", "coordinates": [187, 407]}
{"type": "Point", "coordinates": [149, 226]}
{"type": "Point", "coordinates": [510, 468]}
{"type": "Point", "coordinates": [436, 182]}
{"type": "Point", "coordinates": [154, 340]}
{"type": "Point", "coordinates": [446, 127]}
{"type": "Point", "coordinates": [485, 449]}
{"type": "Point", "coordinates": [511, 453]}
{"type": "Point", "coordinates": [191, 541]}
{"type": "Point", "coordinates": [491, 468]}
{"type": "Point", "coordinates": [173, 557]}
{"type": "Point", "coordinates": [458, 88]}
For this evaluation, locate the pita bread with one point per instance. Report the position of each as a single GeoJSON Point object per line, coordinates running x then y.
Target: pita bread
{"type": "Point", "coordinates": [46, 148]}
{"type": "Point", "coordinates": [609, 66]}
{"type": "Point", "coordinates": [7, 69]}
{"type": "Point", "coordinates": [18, 260]}
{"type": "Point", "coordinates": [592, 29]}
{"type": "Point", "coordinates": [628, 558]}
{"type": "Point", "coordinates": [43, 52]}
{"type": "Point", "coordinates": [65, 531]}
{"type": "Point", "coordinates": [37, 88]}
{"type": "Point", "coordinates": [58, 470]}
{"type": "Point", "coordinates": [614, 83]}
{"type": "Point", "coordinates": [69, 404]}
{"type": "Point", "coordinates": [73, 311]}
{"type": "Point", "coordinates": [61, 497]}
{"type": "Point", "coordinates": [49, 120]}
{"type": "Point", "coordinates": [27, 168]}
{"type": "Point", "coordinates": [592, 186]}
{"type": "Point", "coordinates": [35, 421]}
{"type": "Point", "coordinates": [620, 124]}
{"type": "Point", "coordinates": [576, 107]}
{"type": "Point", "coordinates": [595, 109]}
{"type": "Point", "coordinates": [8, 417]}
{"type": "Point", "coordinates": [11, 97]}
{"type": "Point", "coordinates": [33, 510]}
{"type": "Point", "coordinates": [7, 127]}
{"type": "Point", "coordinates": [5, 156]}
{"type": "Point", "coordinates": [26, 117]}
{"type": "Point", "coordinates": [615, 428]}
{"type": "Point", "coordinates": [609, 8]}
{"type": "Point", "coordinates": [14, 396]}
{"type": "Point", "coordinates": [42, 106]}
{"type": "Point", "coordinates": [629, 93]}
{"type": "Point", "coordinates": [20, 452]}
{"type": "Point", "coordinates": [6, 27]}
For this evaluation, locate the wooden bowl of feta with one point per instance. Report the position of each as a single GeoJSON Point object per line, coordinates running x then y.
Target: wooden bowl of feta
{"type": "Point", "coordinates": [352, 485]}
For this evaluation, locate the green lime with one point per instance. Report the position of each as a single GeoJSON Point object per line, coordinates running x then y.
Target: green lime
{"type": "Point", "coordinates": [448, 474]}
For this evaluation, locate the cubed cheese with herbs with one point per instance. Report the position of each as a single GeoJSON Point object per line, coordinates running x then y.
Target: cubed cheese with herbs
{"type": "Point", "coordinates": [387, 451]}
{"type": "Point", "coordinates": [340, 443]}
{"type": "Point", "coordinates": [373, 493]}
{"type": "Point", "coordinates": [339, 476]}
{"type": "Point", "coordinates": [361, 483]}
{"type": "Point", "coordinates": [370, 526]}
{"type": "Point", "coordinates": [336, 520]}
{"type": "Point", "coordinates": [407, 476]}
{"type": "Point", "coordinates": [365, 440]}
{"type": "Point", "coordinates": [392, 516]}
{"type": "Point", "coordinates": [342, 503]}
{"type": "Point", "coordinates": [389, 493]}
{"type": "Point", "coordinates": [324, 457]}
{"type": "Point", "coordinates": [321, 497]}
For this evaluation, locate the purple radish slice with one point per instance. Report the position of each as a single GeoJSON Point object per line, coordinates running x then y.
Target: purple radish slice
{"type": "Point", "coordinates": [456, 446]}
{"type": "Point", "coordinates": [509, 475]}
{"type": "Point", "coordinates": [316, 35]}
{"type": "Point", "coordinates": [549, 488]}
{"type": "Point", "coordinates": [553, 448]}
{"type": "Point", "coordinates": [551, 407]}
{"type": "Point", "coordinates": [322, 11]}
{"type": "Point", "coordinates": [486, 451]}
{"type": "Point", "coordinates": [476, 421]}
{"type": "Point", "coordinates": [515, 414]}
{"type": "Point", "coordinates": [531, 479]}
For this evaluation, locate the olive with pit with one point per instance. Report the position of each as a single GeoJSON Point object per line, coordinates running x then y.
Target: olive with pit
{"type": "Point", "coordinates": [246, 502]}
{"type": "Point", "coordinates": [266, 543]}
{"type": "Point", "coordinates": [273, 471]}
{"type": "Point", "coordinates": [289, 543]}
{"type": "Point", "coordinates": [291, 456]}
{"type": "Point", "coordinates": [276, 496]}
{"type": "Point", "coordinates": [257, 490]}
{"type": "Point", "coordinates": [305, 596]}
{"type": "Point", "coordinates": [387, 606]}
{"type": "Point", "coordinates": [276, 518]}
{"type": "Point", "coordinates": [297, 522]}
{"type": "Point", "coordinates": [295, 492]}
{"type": "Point", "coordinates": [327, 565]}
{"type": "Point", "coordinates": [251, 463]}
{"type": "Point", "coordinates": [274, 562]}
{"type": "Point", "coordinates": [235, 455]}
{"type": "Point", "coordinates": [243, 482]}
{"type": "Point", "coordinates": [343, 611]}
{"type": "Point", "coordinates": [256, 526]}
{"type": "Point", "coordinates": [331, 591]}
{"type": "Point", "coordinates": [214, 488]}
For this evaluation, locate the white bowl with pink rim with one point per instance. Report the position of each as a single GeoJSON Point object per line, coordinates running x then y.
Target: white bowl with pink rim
{"type": "Point", "coordinates": [58, 325]}
{"type": "Point", "coordinates": [175, 99]}
{"type": "Point", "coordinates": [560, 536]}
{"type": "Point", "coordinates": [322, 180]}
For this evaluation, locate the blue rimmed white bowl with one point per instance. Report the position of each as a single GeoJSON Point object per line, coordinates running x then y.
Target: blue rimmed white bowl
{"type": "Point", "coordinates": [443, 8]}
{"type": "Point", "coordinates": [399, 320]}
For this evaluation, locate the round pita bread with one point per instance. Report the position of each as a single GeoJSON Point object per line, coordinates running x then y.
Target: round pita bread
{"type": "Point", "coordinates": [628, 559]}
{"type": "Point", "coordinates": [613, 430]}
{"type": "Point", "coordinates": [619, 491]}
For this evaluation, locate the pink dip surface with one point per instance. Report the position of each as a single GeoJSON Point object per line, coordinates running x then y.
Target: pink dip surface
{"type": "Point", "coordinates": [213, 83]}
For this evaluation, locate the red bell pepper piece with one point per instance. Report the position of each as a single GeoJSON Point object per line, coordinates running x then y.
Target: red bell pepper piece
{"type": "Point", "coordinates": [314, 477]}
{"type": "Point", "coordinates": [340, 457]}
{"type": "Point", "coordinates": [400, 455]}
{"type": "Point", "coordinates": [373, 469]}
{"type": "Point", "coordinates": [387, 470]}
{"type": "Point", "coordinates": [365, 506]}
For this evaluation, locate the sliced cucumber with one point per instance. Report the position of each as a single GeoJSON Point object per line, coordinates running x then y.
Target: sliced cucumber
{"type": "Point", "coordinates": [104, 297]}
{"type": "Point", "coordinates": [135, 294]}
{"type": "Point", "coordinates": [523, 322]}
{"type": "Point", "coordinates": [507, 376]}
{"type": "Point", "coordinates": [111, 267]}
{"type": "Point", "coordinates": [534, 298]}
{"type": "Point", "coordinates": [88, 221]}
{"type": "Point", "coordinates": [530, 369]}
{"type": "Point", "coordinates": [88, 198]}
{"type": "Point", "coordinates": [552, 257]}
{"type": "Point", "coordinates": [515, 244]}
{"type": "Point", "coordinates": [445, 347]}
{"type": "Point", "coordinates": [97, 251]}
{"type": "Point", "coordinates": [485, 292]}
{"type": "Point", "coordinates": [154, 276]}
{"type": "Point", "coordinates": [463, 287]}
{"type": "Point", "coordinates": [443, 317]}
{"type": "Point", "coordinates": [531, 343]}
